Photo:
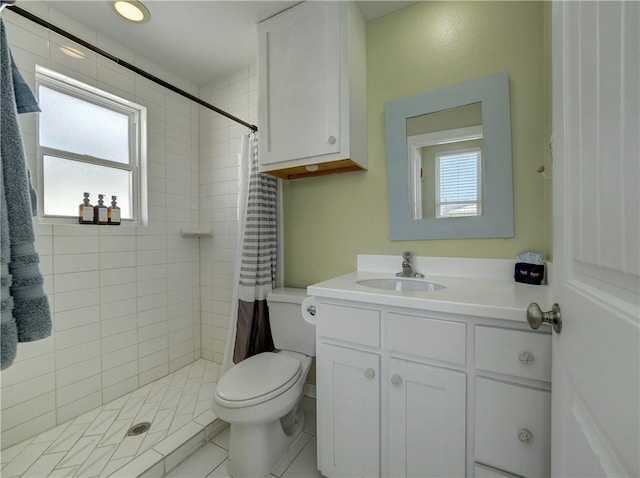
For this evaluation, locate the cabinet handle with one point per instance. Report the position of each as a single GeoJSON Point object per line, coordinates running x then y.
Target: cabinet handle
{"type": "Point", "coordinates": [396, 379]}
{"type": "Point", "coordinates": [526, 358]}
{"type": "Point", "coordinates": [369, 373]}
{"type": "Point", "coordinates": [331, 139]}
{"type": "Point", "coordinates": [525, 436]}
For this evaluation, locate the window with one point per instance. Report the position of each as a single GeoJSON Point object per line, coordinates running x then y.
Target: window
{"type": "Point", "coordinates": [458, 183]}
{"type": "Point", "coordinates": [89, 141]}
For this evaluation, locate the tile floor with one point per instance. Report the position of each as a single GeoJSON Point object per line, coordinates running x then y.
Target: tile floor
{"type": "Point", "coordinates": [209, 461]}
{"type": "Point", "coordinates": [96, 444]}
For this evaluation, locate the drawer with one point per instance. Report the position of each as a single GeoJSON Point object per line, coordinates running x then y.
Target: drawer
{"type": "Point", "coordinates": [351, 324]}
{"type": "Point", "coordinates": [514, 352]}
{"type": "Point", "coordinates": [429, 338]}
{"type": "Point", "coordinates": [513, 428]}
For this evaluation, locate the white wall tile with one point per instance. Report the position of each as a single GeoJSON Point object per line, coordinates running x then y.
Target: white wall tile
{"type": "Point", "coordinates": [120, 373]}
{"type": "Point", "coordinates": [79, 389]}
{"type": "Point", "coordinates": [119, 341]}
{"type": "Point", "coordinates": [80, 370]}
{"type": "Point", "coordinates": [153, 331]}
{"type": "Point", "coordinates": [118, 309]}
{"type": "Point", "coordinates": [27, 429]}
{"type": "Point", "coordinates": [120, 357]}
{"type": "Point", "coordinates": [117, 243]}
{"type": "Point", "coordinates": [75, 245]}
{"type": "Point", "coordinates": [119, 389]}
{"type": "Point", "coordinates": [124, 275]}
{"type": "Point", "coordinates": [81, 405]}
{"type": "Point", "coordinates": [75, 263]}
{"type": "Point", "coordinates": [75, 281]}
{"type": "Point", "coordinates": [118, 325]}
{"type": "Point", "coordinates": [117, 293]}
{"type": "Point", "coordinates": [76, 318]}
{"type": "Point", "coordinates": [77, 354]}
{"type": "Point", "coordinates": [148, 376]}
{"type": "Point", "coordinates": [150, 352]}
{"type": "Point", "coordinates": [108, 285]}
{"type": "Point", "coordinates": [70, 337]}
{"type": "Point", "coordinates": [115, 260]}
{"type": "Point", "coordinates": [27, 389]}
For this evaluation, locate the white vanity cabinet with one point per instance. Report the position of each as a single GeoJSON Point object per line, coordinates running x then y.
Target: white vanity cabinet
{"type": "Point", "coordinates": [312, 90]}
{"type": "Point", "coordinates": [411, 393]}
{"type": "Point", "coordinates": [382, 412]}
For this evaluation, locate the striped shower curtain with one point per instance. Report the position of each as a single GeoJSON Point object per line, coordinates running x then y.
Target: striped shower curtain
{"type": "Point", "coordinates": [257, 273]}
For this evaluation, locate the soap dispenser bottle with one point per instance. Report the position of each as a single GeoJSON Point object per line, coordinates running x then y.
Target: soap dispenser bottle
{"type": "Point", "coordinates": [113, 213]}
{"type": "Point", "coordinates": [85, 215]}
{"type": "Point", "coordinates": [100, 211]}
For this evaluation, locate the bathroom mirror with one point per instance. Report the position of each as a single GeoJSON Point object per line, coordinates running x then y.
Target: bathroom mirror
{"type": "Point", "coordinates": [449, 168]}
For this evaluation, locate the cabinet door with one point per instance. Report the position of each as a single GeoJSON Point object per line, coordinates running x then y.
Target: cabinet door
{"type": "Point", "coordinates": [348, 411]}
{"type": "Point", "coordinates": [427, 420]}
{"type": "Point", "coordinates": [299, 83]}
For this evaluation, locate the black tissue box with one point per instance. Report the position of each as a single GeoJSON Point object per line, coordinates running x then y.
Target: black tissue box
{"type": "Point", "coordinates": [529, 273]}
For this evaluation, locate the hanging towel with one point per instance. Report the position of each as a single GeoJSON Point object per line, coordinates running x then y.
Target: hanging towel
{"type": "Point", "coordinates": [24, 308]}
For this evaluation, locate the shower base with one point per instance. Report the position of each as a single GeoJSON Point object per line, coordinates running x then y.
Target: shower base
{"type": "Point", "coordinates": [96, 444]}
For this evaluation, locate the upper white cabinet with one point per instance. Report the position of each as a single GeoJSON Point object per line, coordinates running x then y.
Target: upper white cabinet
{"type": "Point", "coordinates": [312, 115]}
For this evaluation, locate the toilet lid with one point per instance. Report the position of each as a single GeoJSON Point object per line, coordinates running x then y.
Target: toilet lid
{"type": "Point", "coordinates": [262, 375]}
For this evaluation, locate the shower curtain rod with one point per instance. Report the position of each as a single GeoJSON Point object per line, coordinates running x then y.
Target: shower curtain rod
{"type": "Point", "coordinates": [129, 66]}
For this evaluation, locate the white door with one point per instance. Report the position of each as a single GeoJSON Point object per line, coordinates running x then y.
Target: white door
{"type": "Point", "coordinates": [596, 176]}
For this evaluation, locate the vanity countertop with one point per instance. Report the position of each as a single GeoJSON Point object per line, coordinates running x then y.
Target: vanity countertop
{"type": "Point", "coordinates": [473, 287]}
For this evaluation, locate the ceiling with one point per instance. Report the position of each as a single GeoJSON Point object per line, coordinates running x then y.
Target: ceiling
{"type": "Point", "coordinates": [198, 40]}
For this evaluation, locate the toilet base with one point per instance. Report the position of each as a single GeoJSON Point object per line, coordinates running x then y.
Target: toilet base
{"type": "Point", "coordinates": [255, 450]}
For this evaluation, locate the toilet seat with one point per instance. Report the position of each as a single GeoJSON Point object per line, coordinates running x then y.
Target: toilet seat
{"type": "Point", "coordinates": [257, 379]}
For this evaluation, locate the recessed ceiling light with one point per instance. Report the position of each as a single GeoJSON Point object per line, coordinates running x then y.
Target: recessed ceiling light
{"type": "Point", "coordinates": [131, 10]}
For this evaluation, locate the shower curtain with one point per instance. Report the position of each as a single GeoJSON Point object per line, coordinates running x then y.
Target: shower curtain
{"type": "Point", "coordinates": [249, 331]}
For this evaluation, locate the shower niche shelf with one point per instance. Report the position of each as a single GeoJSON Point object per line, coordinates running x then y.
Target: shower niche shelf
{"type": "Point", "coordinates": [196, 232]}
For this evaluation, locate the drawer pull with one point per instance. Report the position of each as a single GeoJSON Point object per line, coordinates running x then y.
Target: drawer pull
{"type": "Point", "coordinates": [369, 373]}
{"type": "Point", "coordinates": [525, 436]}
{"type": "Point", "coordinates": [331, 140]}
{"type": "Point", "coordinates": [396, 379]}
{"type": "Point", "coordinates": [526, 358]}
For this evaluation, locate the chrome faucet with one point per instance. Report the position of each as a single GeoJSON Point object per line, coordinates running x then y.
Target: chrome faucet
{"type": "Point", "coordinates": [407, 268]}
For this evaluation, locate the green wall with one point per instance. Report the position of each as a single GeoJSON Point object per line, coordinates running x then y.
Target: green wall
{"type": "Point", "coordinates": [331, 219]}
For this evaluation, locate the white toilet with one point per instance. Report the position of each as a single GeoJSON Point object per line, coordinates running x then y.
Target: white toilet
{"type": "Point", "coordinates": [260, 396]}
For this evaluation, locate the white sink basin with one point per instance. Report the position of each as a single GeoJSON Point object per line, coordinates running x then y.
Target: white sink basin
{"type": "Point", "coordinates": [400, 285]}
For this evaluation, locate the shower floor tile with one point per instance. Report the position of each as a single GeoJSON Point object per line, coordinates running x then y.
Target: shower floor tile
{"type": "Point", "coordinates": [96, 444]}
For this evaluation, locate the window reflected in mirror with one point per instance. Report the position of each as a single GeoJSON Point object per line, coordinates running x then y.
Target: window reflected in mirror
{"type": "Point", "coordinates": [445, 163]}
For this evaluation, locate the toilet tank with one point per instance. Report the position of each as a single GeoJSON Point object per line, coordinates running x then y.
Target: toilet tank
{"type": "Point", "coordinates": [289, 330]}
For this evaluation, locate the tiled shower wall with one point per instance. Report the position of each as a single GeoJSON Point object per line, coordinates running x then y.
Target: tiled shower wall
{"type": "Point", "coordinates": [220, 143]}
{"type": "Point", "coordinates": [126, 300]}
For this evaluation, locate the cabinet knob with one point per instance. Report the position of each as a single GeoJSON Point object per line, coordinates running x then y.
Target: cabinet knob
{"type": "Point", "coordinates": [369, 373]}
{"type": "Point", "coordinates": [525, 436]}
{"type": "Point", "coordinates": [396, 379]}
{"type": "Point", "coordinates": [331, 139]}
{"type": "Point", "coordinates": [526, 358]}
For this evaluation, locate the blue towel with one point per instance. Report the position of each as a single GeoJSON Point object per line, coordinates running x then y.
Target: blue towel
{"type": "Point", "coordinates": [24, 308]}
